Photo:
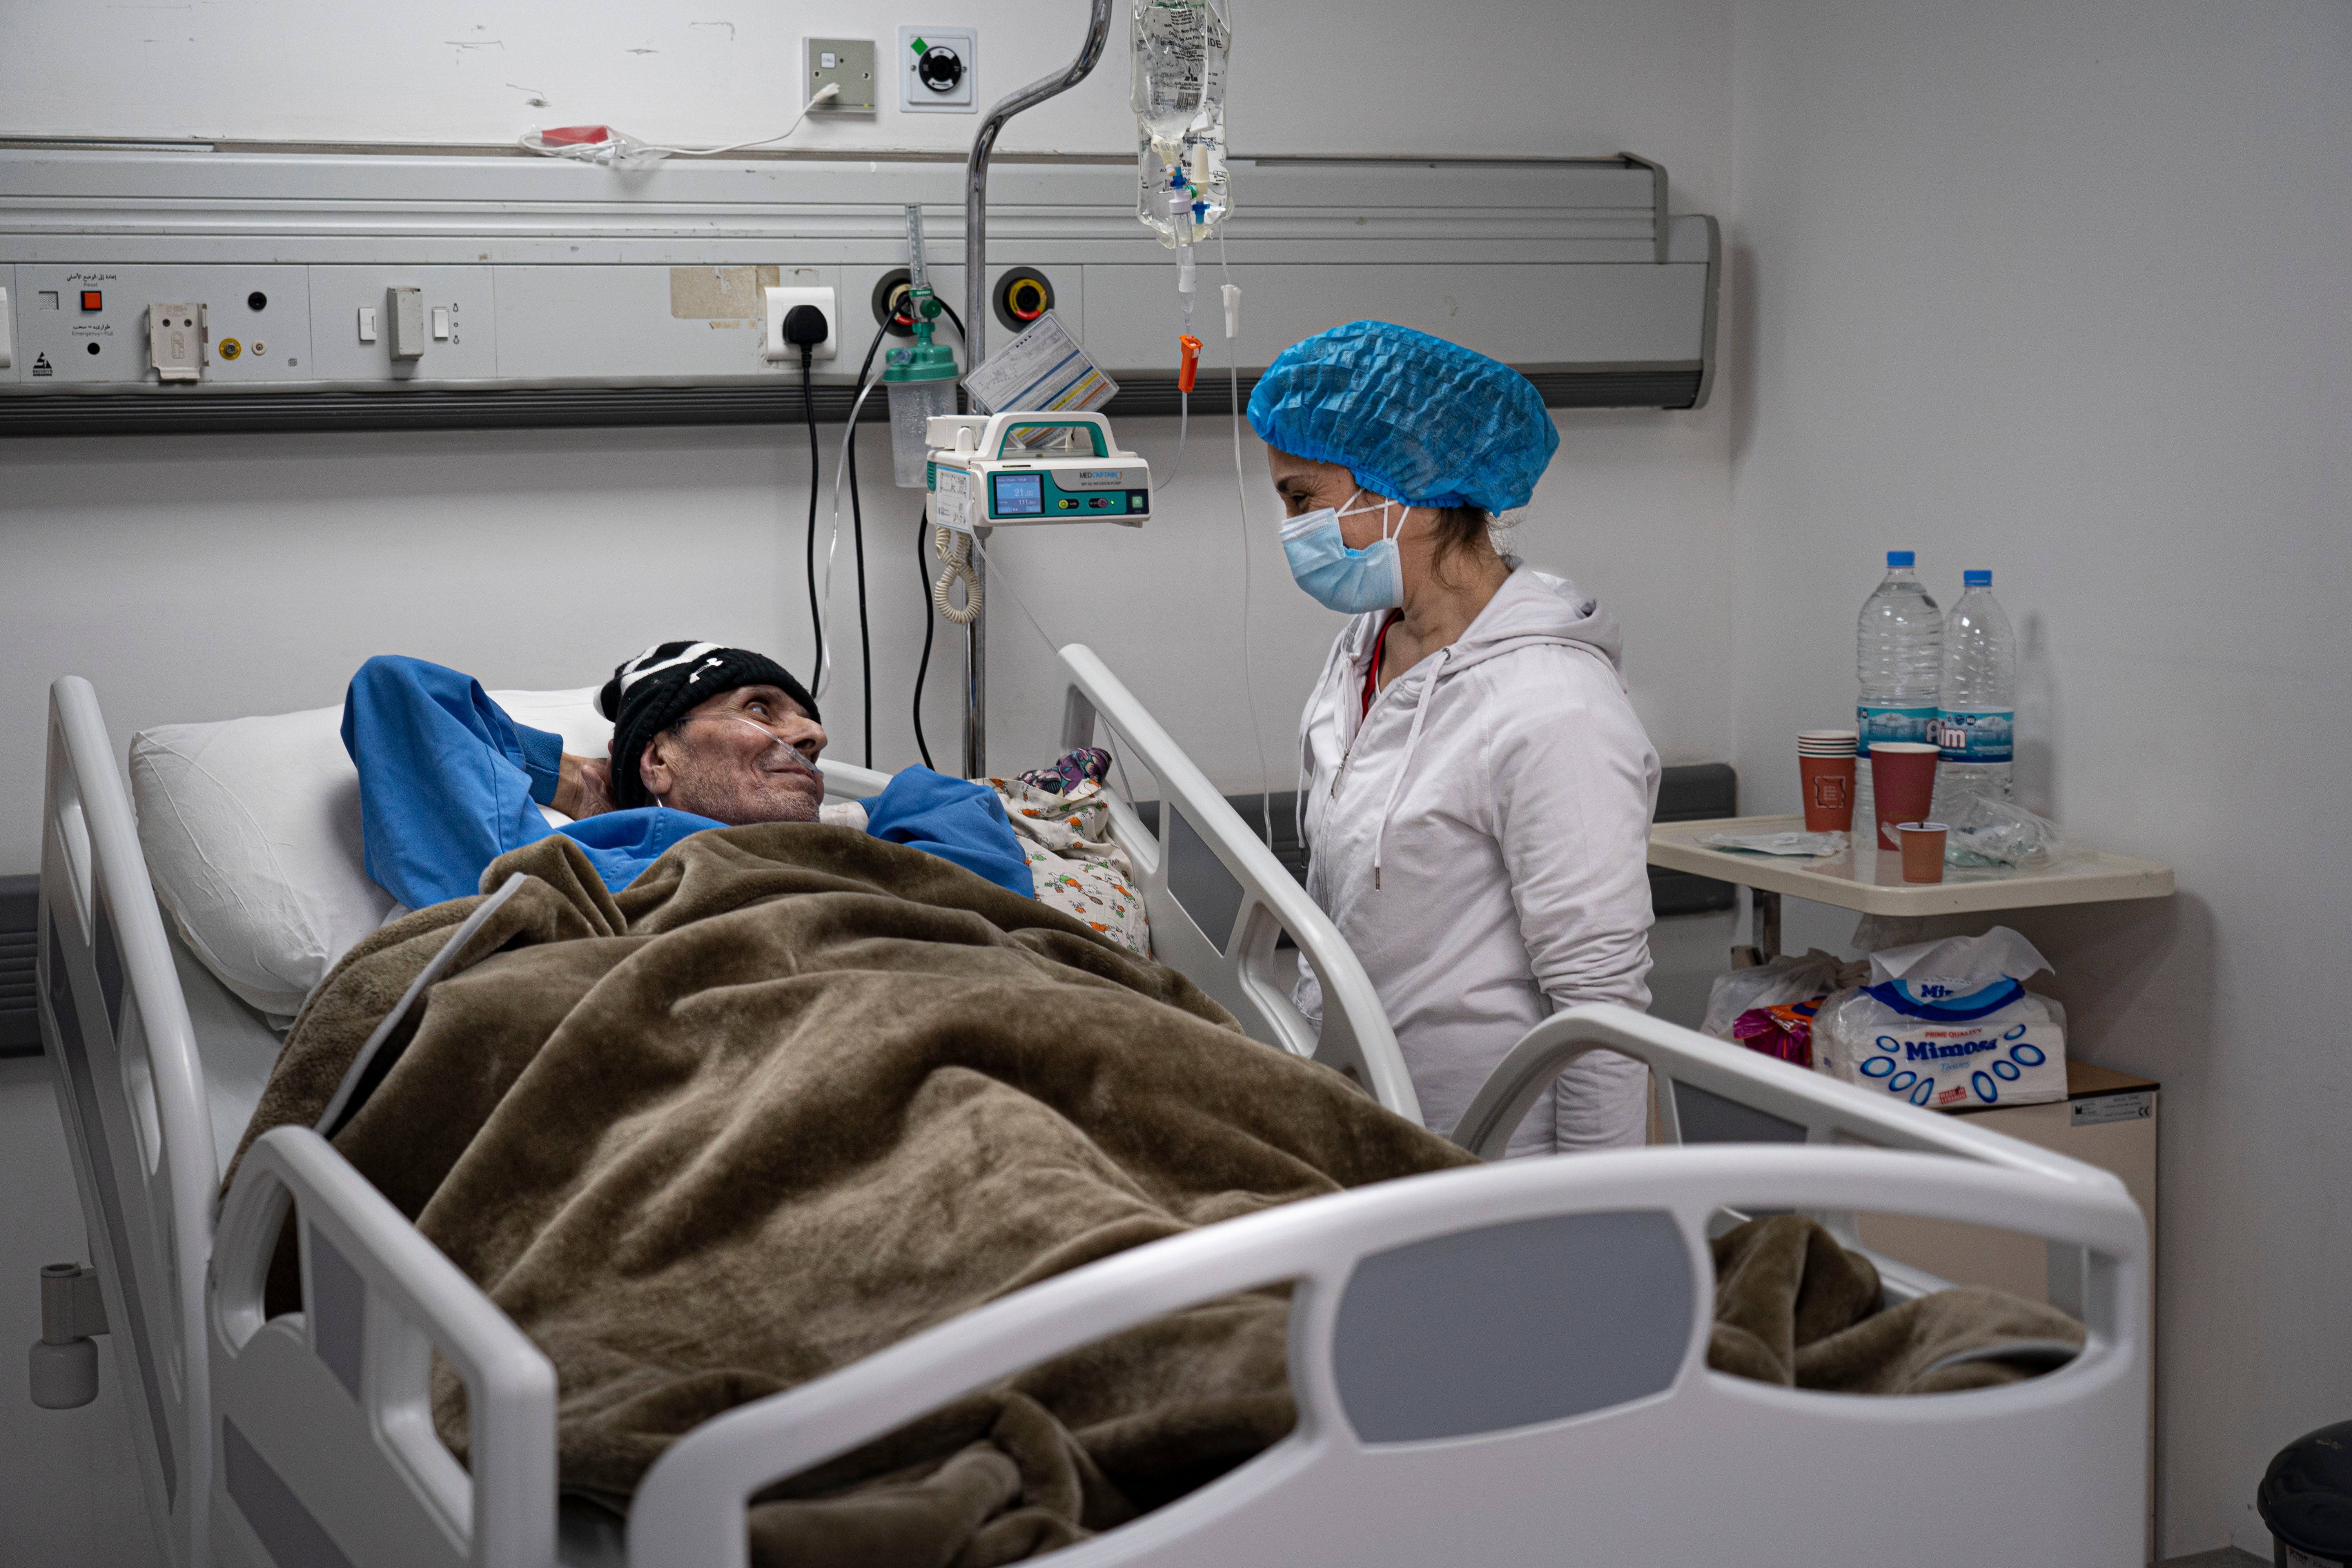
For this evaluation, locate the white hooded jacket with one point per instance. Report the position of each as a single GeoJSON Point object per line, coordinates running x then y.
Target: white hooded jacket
{"type": "Point", "coordinates": [1480, 837]}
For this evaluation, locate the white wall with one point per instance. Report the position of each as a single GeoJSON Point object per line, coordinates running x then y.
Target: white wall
{"type": "Point", "coordinates": [195, 578]}
{"type": "Point", "coordinates": [2060, 290]}
{"type": "Point", "coordinates": [1520, 75]}
{"type": "Point", "coordinates": [202, 577]}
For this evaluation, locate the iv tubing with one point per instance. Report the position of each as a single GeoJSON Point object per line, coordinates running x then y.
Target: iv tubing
{"type": "Point", "coordinates": [1241, 503]}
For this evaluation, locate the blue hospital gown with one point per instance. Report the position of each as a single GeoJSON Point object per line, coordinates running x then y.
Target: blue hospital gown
{"type": "Point", "coordinates": [448, 782]}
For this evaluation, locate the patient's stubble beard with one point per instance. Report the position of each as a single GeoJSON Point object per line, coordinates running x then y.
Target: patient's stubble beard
{"type": "Point", "coordinates": [713, 778]}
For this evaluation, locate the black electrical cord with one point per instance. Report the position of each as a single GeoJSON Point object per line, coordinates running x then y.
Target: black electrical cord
{"type": "Point", "coordinates": [857, 537]}
{"type": "Point", "coordinates": [805, 326]}
{"type": "Point", "coordinates": [865, 637]}
{"type": "Point", "coordinates": [923, 579]}
{"type": "Point", "coordinates": [816, 465]}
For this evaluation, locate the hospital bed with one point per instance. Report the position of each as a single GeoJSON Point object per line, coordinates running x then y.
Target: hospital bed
{"type": "Point", "coordinates": [1437, 1416]}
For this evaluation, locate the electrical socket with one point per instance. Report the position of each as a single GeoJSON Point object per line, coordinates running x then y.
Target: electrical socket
{"type": "Point", "coordinates": [780, 303]}
{"type": "Point", "coordinates": [846, 63]}
{"type": "Point", "coordinates": [952, 86]}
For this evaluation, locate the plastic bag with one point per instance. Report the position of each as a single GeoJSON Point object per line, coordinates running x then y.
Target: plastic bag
{"type": "Point", "coordinates": [1987, 832]}
{"type": "Point", "coordinates": [598, 144]}
{"type": "Point", "coordinates": [1777, 843]}
{"type": "Point", "coordinates": [1770, 1008]}
{"type": "Point", "coordinates": [1948, 1025]}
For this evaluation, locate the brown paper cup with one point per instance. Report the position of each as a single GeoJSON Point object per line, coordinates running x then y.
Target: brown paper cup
{"type": "Point", "coordinates": [1828, 784]}
{"type": "Point", "coordinates": [1902, 783]}
{"type": "Point", "coordinates": [1923, 851]}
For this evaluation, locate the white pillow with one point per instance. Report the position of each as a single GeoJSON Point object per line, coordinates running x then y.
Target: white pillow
{"type": "Point", "coordinates": [570, 714]}
{"type": "Point", "coordinates": [251, 830]}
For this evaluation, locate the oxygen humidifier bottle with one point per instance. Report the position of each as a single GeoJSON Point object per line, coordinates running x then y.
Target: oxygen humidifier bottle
{"type": "Point", "coordinates": [1899, 655]}
{"type": "Point", "coordinates": [1976, 717]}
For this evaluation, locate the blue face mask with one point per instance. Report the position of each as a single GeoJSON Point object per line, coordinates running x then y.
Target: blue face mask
{"type": "Point", "coordinates": [1352, 582]}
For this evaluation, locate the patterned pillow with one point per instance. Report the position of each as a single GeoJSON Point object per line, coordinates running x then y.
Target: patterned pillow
{"type": "Point", "coordinates": [1077, 867]}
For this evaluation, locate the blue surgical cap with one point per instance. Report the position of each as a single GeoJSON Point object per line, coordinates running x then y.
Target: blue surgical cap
{"type": "Point", "coordinates": [1416, 418]}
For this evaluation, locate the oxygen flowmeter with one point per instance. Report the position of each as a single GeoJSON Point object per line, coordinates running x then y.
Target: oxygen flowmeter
{"type": "Point", "coordinates": [920, 381]}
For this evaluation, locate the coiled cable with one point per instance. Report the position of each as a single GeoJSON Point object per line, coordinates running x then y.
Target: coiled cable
{"type": "Point", "coordinates": [953, 547]}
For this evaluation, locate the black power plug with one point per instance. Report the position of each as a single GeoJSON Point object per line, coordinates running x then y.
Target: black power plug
{"type": "Point", "coordinates": [806, 325]}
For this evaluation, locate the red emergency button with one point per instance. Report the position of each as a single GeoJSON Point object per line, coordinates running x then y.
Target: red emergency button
{"type": "Point", "coordinates": [91, 300]}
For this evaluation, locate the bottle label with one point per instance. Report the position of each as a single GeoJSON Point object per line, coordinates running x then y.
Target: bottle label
{"type": "Point", "coordinates": [1892, 724]}
{"type": "Point", "coordinates": [1974, 737]}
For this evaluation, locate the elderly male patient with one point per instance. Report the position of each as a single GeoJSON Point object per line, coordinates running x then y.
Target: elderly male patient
{"type": "Point", "coordinates": [703, 736]}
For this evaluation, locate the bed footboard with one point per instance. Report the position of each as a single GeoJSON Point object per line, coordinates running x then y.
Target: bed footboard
{"type": "Point", "coordinates": [1218, 899]}
{"type": "Point", "coordinates": [1506, 1365]}
{"type": "Point", "coordinates": [327, 1452]}
{"type": "Point", "coordinates": [131, 1092]}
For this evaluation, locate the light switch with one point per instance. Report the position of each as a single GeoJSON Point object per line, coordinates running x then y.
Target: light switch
{"type": "Point", "coordinates": [440, 323]}
{"type": "Point", "coordinates": [404, 321]}
{"type": "Point", "coordinates": [7, 333]}
{"type": "Point", "coordinates": [367, 323]}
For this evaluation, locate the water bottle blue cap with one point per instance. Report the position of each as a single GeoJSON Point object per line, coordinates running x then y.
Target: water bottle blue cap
{"type": "Point", "coordinates": [1900, 558]}
{"type": "Point", "coordinates": [1976, 579]}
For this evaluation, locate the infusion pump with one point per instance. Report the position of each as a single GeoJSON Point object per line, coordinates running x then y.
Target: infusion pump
{"type": "Point", "coordinates": [990, 471]}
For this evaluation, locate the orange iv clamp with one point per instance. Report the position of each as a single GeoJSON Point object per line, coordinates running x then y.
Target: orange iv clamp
{"type": "Point", "coordinates": [1190, 369]}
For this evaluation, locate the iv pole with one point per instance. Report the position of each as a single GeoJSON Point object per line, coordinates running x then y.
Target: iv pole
{"type": "Point", "coordinates": [975, 329]}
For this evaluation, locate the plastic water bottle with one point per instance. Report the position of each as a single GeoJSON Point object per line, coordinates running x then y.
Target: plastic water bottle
{"type": "Point", "coordinates": [1976, 717]}
{"type": "Point", "coordinates": [1899, 655]}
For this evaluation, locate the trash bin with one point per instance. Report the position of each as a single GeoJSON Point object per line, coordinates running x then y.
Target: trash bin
{"type": "Point", "coordinates": [2305, 1499]}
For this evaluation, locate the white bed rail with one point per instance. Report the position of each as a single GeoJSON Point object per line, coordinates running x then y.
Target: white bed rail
{"type": "Point", "coordinates": [1218, 899]}
{"type": "Point", "coordinates": [1707, 1091]}
{"type": "Point", "coordinates": [328, 1448]}
{"type": "Point", "coordinates": [130, 1093]}
{"type": "Point", "coordinates": [1506, 1365]}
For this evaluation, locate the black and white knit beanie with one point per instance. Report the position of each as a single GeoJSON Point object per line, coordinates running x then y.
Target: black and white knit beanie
{"type": "Point", "coordinates": [652, 691]}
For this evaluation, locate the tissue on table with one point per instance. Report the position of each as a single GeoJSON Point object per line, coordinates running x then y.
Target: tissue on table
{"type": "Point", "coordinates": [1949, 1025]}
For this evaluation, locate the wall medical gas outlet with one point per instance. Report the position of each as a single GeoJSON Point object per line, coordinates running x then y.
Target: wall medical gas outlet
{"type": "Point", "coordinates": [939, 70]}
{"type": "Point", "coordinates": [389, 291]}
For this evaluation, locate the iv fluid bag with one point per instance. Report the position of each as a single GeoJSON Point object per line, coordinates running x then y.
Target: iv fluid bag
{"type": "Point", "coordinates": [1180, 113]}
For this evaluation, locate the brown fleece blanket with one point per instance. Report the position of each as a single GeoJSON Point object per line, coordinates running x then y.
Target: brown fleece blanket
{"type": "Point", "coordinates": [797, 1094]}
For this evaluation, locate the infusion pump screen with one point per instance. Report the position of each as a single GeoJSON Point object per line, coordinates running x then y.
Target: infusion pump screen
{"type": "Point", "coordinates": [1018, 495]}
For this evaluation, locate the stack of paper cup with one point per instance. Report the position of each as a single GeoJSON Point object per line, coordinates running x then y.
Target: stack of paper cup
{"type": "Point", "coordinates": [1825, 765]}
